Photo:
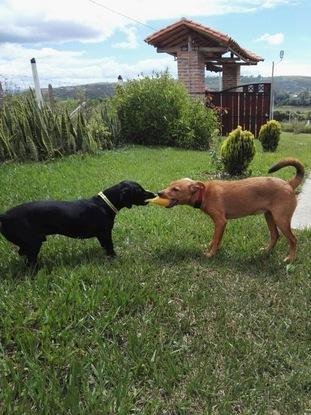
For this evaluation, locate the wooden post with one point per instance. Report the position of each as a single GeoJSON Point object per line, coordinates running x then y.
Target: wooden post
{"type": "Point", "coordinates": [50, 95]}
{"type": "Point", "coordinates": [189, 43]}
{"type": "Point", "coordinates": [36, 82]}
{"type": "Point", "coordinates": [1, 96]}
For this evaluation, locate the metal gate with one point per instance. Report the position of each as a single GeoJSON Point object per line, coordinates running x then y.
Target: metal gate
{"type": "Point", "coordinates": [244, 105]}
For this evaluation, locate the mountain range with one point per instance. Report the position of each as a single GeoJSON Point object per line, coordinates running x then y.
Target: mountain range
{"type": "Point", "coordinates": [283, 85]}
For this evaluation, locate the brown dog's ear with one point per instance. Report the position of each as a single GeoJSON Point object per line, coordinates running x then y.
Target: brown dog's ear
{"type": "Point", "coordinates": [194, 187]}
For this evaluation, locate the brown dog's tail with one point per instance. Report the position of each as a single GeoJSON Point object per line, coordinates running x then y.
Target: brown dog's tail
{"type": "Point", "coordinates": [300, 170]}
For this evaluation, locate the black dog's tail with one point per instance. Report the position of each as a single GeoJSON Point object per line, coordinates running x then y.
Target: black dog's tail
{"type": "Point", "coordinates": [300, 171]}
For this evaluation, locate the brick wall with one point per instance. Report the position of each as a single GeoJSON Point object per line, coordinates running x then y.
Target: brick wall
{"type": "Point", "coordinates": [191, 70]}
{"type": "Point", "coordinates": [230, 76]}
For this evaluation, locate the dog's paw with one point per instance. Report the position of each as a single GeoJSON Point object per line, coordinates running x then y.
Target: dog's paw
{"type": "Point", "coordinates": [209, 254]}
{"type": "Point", "coordinates": [288, 260]}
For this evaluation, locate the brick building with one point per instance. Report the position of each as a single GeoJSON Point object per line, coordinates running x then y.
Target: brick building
{"type": "Point", "coordinates": [196, 48]}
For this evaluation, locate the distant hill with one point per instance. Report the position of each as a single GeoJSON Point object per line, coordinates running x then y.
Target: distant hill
{"type": "Point", "coordinates": [285, 86]}
{"type": "Point", "coordinates": [87, 91]}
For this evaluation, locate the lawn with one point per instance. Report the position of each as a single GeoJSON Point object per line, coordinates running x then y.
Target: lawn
{"type": "Point", "coordinates": [160, 329]}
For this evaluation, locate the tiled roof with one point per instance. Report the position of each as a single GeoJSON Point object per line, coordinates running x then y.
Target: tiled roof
{"type": "Point", "coordinates": [164, 34]}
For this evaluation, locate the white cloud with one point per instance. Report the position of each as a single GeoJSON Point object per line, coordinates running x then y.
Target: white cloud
{"type": "Point", "coordinates": [73, 68]}
{"type": "Point", "coordinates": [269, 4]}
{"type": "Point", "coordinates": [131, 43]}
{"type": "Point", "coordinates": [275, 39]}
{"type": "Point", "coordinates": [37, 21]}
{"type": "Point", "coordinates": [70, 67]}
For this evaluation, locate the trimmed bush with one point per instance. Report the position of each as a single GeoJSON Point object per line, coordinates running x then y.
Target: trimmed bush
{"type": "Point", "coordinates": [237, 151]}
{"type": "Point", "coordinates": [159, 111]}
{"type": "Point", "coordinates": [269, 135]}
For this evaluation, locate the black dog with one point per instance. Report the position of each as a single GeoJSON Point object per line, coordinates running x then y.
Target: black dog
{"type": "Point", "coordinates": [27, 225]}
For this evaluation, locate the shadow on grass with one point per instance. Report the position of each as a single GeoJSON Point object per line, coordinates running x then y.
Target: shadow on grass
{"type": "Point", "coordinates": [73, 258]}
{"type": "Point", "coordinates": [253, 265]}
{"type": "Point", "coordinates": [259, 265]}
{"type": "Point", "coordinates": [15, 268]}
{"type": "Point", "coordinates": [174, 255]}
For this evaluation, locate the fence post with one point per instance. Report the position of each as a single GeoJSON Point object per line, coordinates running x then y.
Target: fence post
{"type": "Point", "coordinates": [1, 96]}
{"type": "Point", "coordinates": [51, 95]}
{"type": "Point", "coordinates": [77, 109]}
{"type": "Point", "coordinates": [36, 82]}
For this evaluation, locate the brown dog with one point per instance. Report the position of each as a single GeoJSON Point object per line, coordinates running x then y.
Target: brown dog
{"type": "Point", "coordinates": [223, 200]}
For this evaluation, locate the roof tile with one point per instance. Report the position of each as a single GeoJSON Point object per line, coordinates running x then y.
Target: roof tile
{"type": "Point", "coordinates": [245, 54]}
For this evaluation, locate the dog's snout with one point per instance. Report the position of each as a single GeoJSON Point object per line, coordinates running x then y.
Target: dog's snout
{"type": "Point", "coordinates": [161, 193]}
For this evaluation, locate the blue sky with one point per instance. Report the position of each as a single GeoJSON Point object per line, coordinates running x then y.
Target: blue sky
{"type": "Point", "coordinates": [78, 41]}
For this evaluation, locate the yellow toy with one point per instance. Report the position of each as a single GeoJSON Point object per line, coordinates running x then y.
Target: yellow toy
{"type": "Point", "coordinates": [159, 201]}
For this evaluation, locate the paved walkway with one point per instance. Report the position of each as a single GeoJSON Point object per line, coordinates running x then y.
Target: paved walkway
{"type": "Point", "coordinates": [302, 215]}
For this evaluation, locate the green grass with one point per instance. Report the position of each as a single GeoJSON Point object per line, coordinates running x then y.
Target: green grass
{"type": "Point", "coordinates": [161, 329]}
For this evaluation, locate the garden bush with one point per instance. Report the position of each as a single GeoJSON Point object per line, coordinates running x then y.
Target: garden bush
{"type": "Point", "coordinates": [237, 151]}
{"type": "Point", "coordinates": [99, 133]}
{"type": "Point", "coordinates": [269, 135]}
{"type": "Point", "coordinates": [159, 111]}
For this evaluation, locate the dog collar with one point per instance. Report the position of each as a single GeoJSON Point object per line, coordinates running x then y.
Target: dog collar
{"type": "Point", "coordinates": [198, 202]}
{"type": "Point", "coordinates": [107, 201]}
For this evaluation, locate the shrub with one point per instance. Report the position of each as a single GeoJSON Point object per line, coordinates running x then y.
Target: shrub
{"type": "Point", "coordinates": [159, 111]}
{"type": "Point", "coordinates": [296, 127]}
{"type": "Point", "coordinates": [269, 135]}
{"type": "Point", "coordinates": [237, 151]}
{"type": "Point", "coordinates": [28, 132]}
{"type": "Point", "coordinates": [100, 133]}
{"type": "Point", "coordinates": [281, 115]}
{"type": "Point", "coordinates": [111, 120]}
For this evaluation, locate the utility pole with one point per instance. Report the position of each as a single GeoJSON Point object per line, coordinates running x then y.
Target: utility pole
{"type": "Point", "coordinates": [36, 82]}
{"type": "Point", "coordinates": [272, 85]}
{"type": "Point", "coordinates": [272, 93]}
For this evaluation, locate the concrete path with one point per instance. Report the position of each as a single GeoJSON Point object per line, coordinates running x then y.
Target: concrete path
{"type": "Point", "coordinates": [302, 215]}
